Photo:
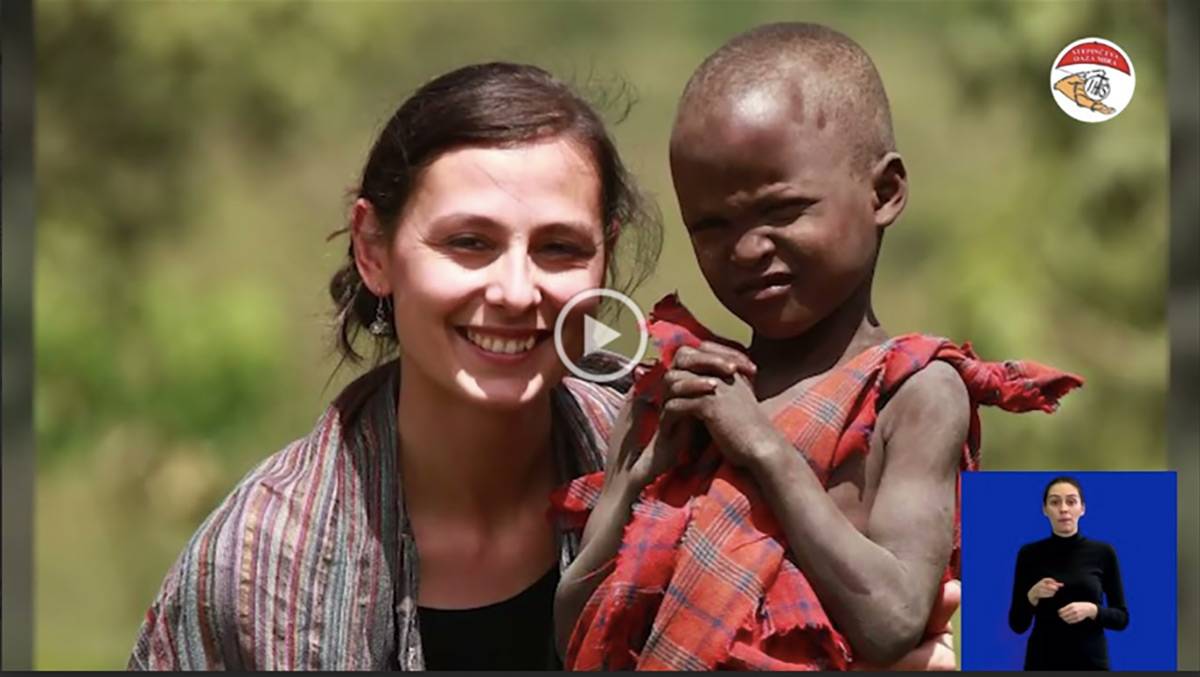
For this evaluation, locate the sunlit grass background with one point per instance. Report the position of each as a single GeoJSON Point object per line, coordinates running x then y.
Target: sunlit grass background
{"type": "Point", "coordinates": [191, 159]}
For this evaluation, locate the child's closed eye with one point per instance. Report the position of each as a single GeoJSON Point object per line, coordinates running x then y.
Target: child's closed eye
{"type": "Point", "coordinates": [781, 214]}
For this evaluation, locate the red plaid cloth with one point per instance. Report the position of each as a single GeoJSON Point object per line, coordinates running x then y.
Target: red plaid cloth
{"type": "Point", "coordinates": [702, 580]}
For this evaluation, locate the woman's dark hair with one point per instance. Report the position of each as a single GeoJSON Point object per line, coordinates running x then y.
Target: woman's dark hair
{"type": "Point", "coordinates": [490, 105]}
{"type": "Point", "coordinates": [1062, 479]}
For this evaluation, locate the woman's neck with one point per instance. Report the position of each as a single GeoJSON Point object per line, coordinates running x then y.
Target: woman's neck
{"type": "Point", "coordinates": [464, 461]}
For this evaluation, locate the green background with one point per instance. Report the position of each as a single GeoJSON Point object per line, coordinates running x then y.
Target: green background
{"type": "Point", "coordinates": [192, 158]}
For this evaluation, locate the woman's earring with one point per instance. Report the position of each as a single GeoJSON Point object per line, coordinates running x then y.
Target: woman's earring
{"type": "Point", "coordinates": [381, 326]}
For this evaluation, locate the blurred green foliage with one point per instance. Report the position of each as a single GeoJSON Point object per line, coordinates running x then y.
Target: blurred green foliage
{"type": "Point", "coordinates": [192, 157]}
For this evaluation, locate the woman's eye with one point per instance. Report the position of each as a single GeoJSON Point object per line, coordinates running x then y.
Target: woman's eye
{"type": "Point", "coordinates": [468, 243]}
{"type": "Point", "coordinates": [563, 249]}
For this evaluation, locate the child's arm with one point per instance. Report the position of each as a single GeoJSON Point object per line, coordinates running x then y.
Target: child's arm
{"type": "Point", "coordinates": [627, 471]}
{"type": "Point", "coordinates": [597, 553]}
{"type": "Point", "coordinates": [601, 535]}
{"type": "Point", "coordinates": [877, 587]}
{"type": "Point", "coordinates": [936, 651]}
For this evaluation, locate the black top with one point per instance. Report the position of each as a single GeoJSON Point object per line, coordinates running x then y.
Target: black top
{"type": "Point", "coordinates": [516, 634]}
{"type": "Point", "coordinates": [1086, 568]}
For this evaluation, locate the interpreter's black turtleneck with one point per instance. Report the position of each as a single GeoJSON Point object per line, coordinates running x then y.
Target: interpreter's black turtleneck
{"type": "Point", "coordinates": [1087, 569]}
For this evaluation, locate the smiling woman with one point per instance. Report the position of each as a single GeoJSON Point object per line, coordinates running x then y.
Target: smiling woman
{"type": "Point", "coordinates": [408, 529]}
{"type": "Point", "coordinates": [481, 262]}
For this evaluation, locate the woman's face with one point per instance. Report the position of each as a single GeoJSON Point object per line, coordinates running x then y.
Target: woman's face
{"type": "Point", "coordinates": [1063, 507]}
{"type": "Point", "coordinates": [492, 243]}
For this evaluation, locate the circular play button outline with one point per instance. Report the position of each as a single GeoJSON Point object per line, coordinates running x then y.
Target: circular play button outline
{"type": "Point", "coordinates": [562, 318]}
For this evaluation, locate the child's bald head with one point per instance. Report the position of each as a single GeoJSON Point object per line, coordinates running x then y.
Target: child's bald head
{"type": "Point", "coordinates": [786, 173]}
{"type": "Point", "coordinates": [825, 77]}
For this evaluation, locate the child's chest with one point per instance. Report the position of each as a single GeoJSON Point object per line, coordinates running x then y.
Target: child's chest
{"type": "Point", "coordinates": [854, 482]}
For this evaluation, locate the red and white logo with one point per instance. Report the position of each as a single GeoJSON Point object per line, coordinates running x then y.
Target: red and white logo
{"type": "Point", "coordinates": [1092, 80]}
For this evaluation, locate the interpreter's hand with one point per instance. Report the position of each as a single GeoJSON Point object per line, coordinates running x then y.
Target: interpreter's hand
{"type": "Point", "coordinates": [1047, 587]}
{"type": "Point", "coordinates": [709, 384]}
{"type": "Point", "coordinates": [1078, 611]}
{"type": "Point", "coordinates": [936, 650]}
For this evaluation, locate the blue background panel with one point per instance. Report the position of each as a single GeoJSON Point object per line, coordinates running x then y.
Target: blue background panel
{"type": "Point", "coordinates": [1135, 512]}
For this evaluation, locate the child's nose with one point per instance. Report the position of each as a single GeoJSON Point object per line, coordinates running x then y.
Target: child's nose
{"type": "Point", "coordinates": [751, 248]}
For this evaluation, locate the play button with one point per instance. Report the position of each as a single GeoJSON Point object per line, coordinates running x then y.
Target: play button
{"type": "Point", "coordinates": [597, 335]}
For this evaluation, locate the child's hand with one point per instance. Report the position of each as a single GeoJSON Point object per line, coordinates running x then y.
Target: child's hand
{"type": "Point", "coordinates": [709, 384]}
{"type": "Point", "coordinates": [638, 467]}
{"type": "Point", "coordinates": [630, 466]}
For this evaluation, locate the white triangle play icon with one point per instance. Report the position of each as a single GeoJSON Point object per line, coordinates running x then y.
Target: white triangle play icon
{"type": "Point", "coordinates": [596, 335]}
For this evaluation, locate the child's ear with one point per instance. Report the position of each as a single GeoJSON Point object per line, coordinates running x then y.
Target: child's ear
{"type": "Point", "coordinates": [370, 248]}
{"type": "Point", "coordinates": [889, 179]}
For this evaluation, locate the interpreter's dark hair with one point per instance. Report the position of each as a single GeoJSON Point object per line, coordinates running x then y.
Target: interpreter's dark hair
{"type": "Point", "coordinates": [1062, 479]}
{"type": "Point", "coordinates": [833, 68]}
{"type": "Point", "coordinates": [490, 105]}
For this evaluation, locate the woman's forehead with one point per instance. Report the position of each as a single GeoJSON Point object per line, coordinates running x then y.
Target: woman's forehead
{"type": "Point", "coordinates": [1063, 490]}
{"type": "Point", "coordinates": [555, 176]}
{"type": "Point", "coordinates": [550, 159]}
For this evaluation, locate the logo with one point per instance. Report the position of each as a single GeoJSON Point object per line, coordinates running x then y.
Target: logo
{"type": "Point", "coordinates": [597, 335]}
{"type": "Point", "coordinates": [1092, 80]}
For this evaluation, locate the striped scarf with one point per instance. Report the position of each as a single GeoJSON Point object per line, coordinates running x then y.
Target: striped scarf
{"type": "Point", "coordinates": [310, 563]}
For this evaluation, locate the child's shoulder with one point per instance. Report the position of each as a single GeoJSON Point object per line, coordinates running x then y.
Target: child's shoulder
{"type": "Point", "coordinates": [937, 380]}
{"type": "Point", "coordinates": [932, 400]}
{"type": "Point", "coordinates": [916, 370]}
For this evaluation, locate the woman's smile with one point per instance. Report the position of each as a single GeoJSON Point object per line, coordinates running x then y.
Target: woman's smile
{"type": "Point", "coordinates": [501, 345]}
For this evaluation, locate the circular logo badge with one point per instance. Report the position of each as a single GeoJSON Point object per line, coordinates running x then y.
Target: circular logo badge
{"type": "Point", "coordinates": [597, 335]}
{"type": "Point", "coordinates": [1092, 80]}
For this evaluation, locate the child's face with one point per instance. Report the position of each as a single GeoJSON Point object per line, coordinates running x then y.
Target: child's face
{"type": "Point", "coordinates": [783, 228]}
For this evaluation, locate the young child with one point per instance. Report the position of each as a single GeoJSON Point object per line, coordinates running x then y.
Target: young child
{"type": "Point", "coordinates": [711, 542]}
